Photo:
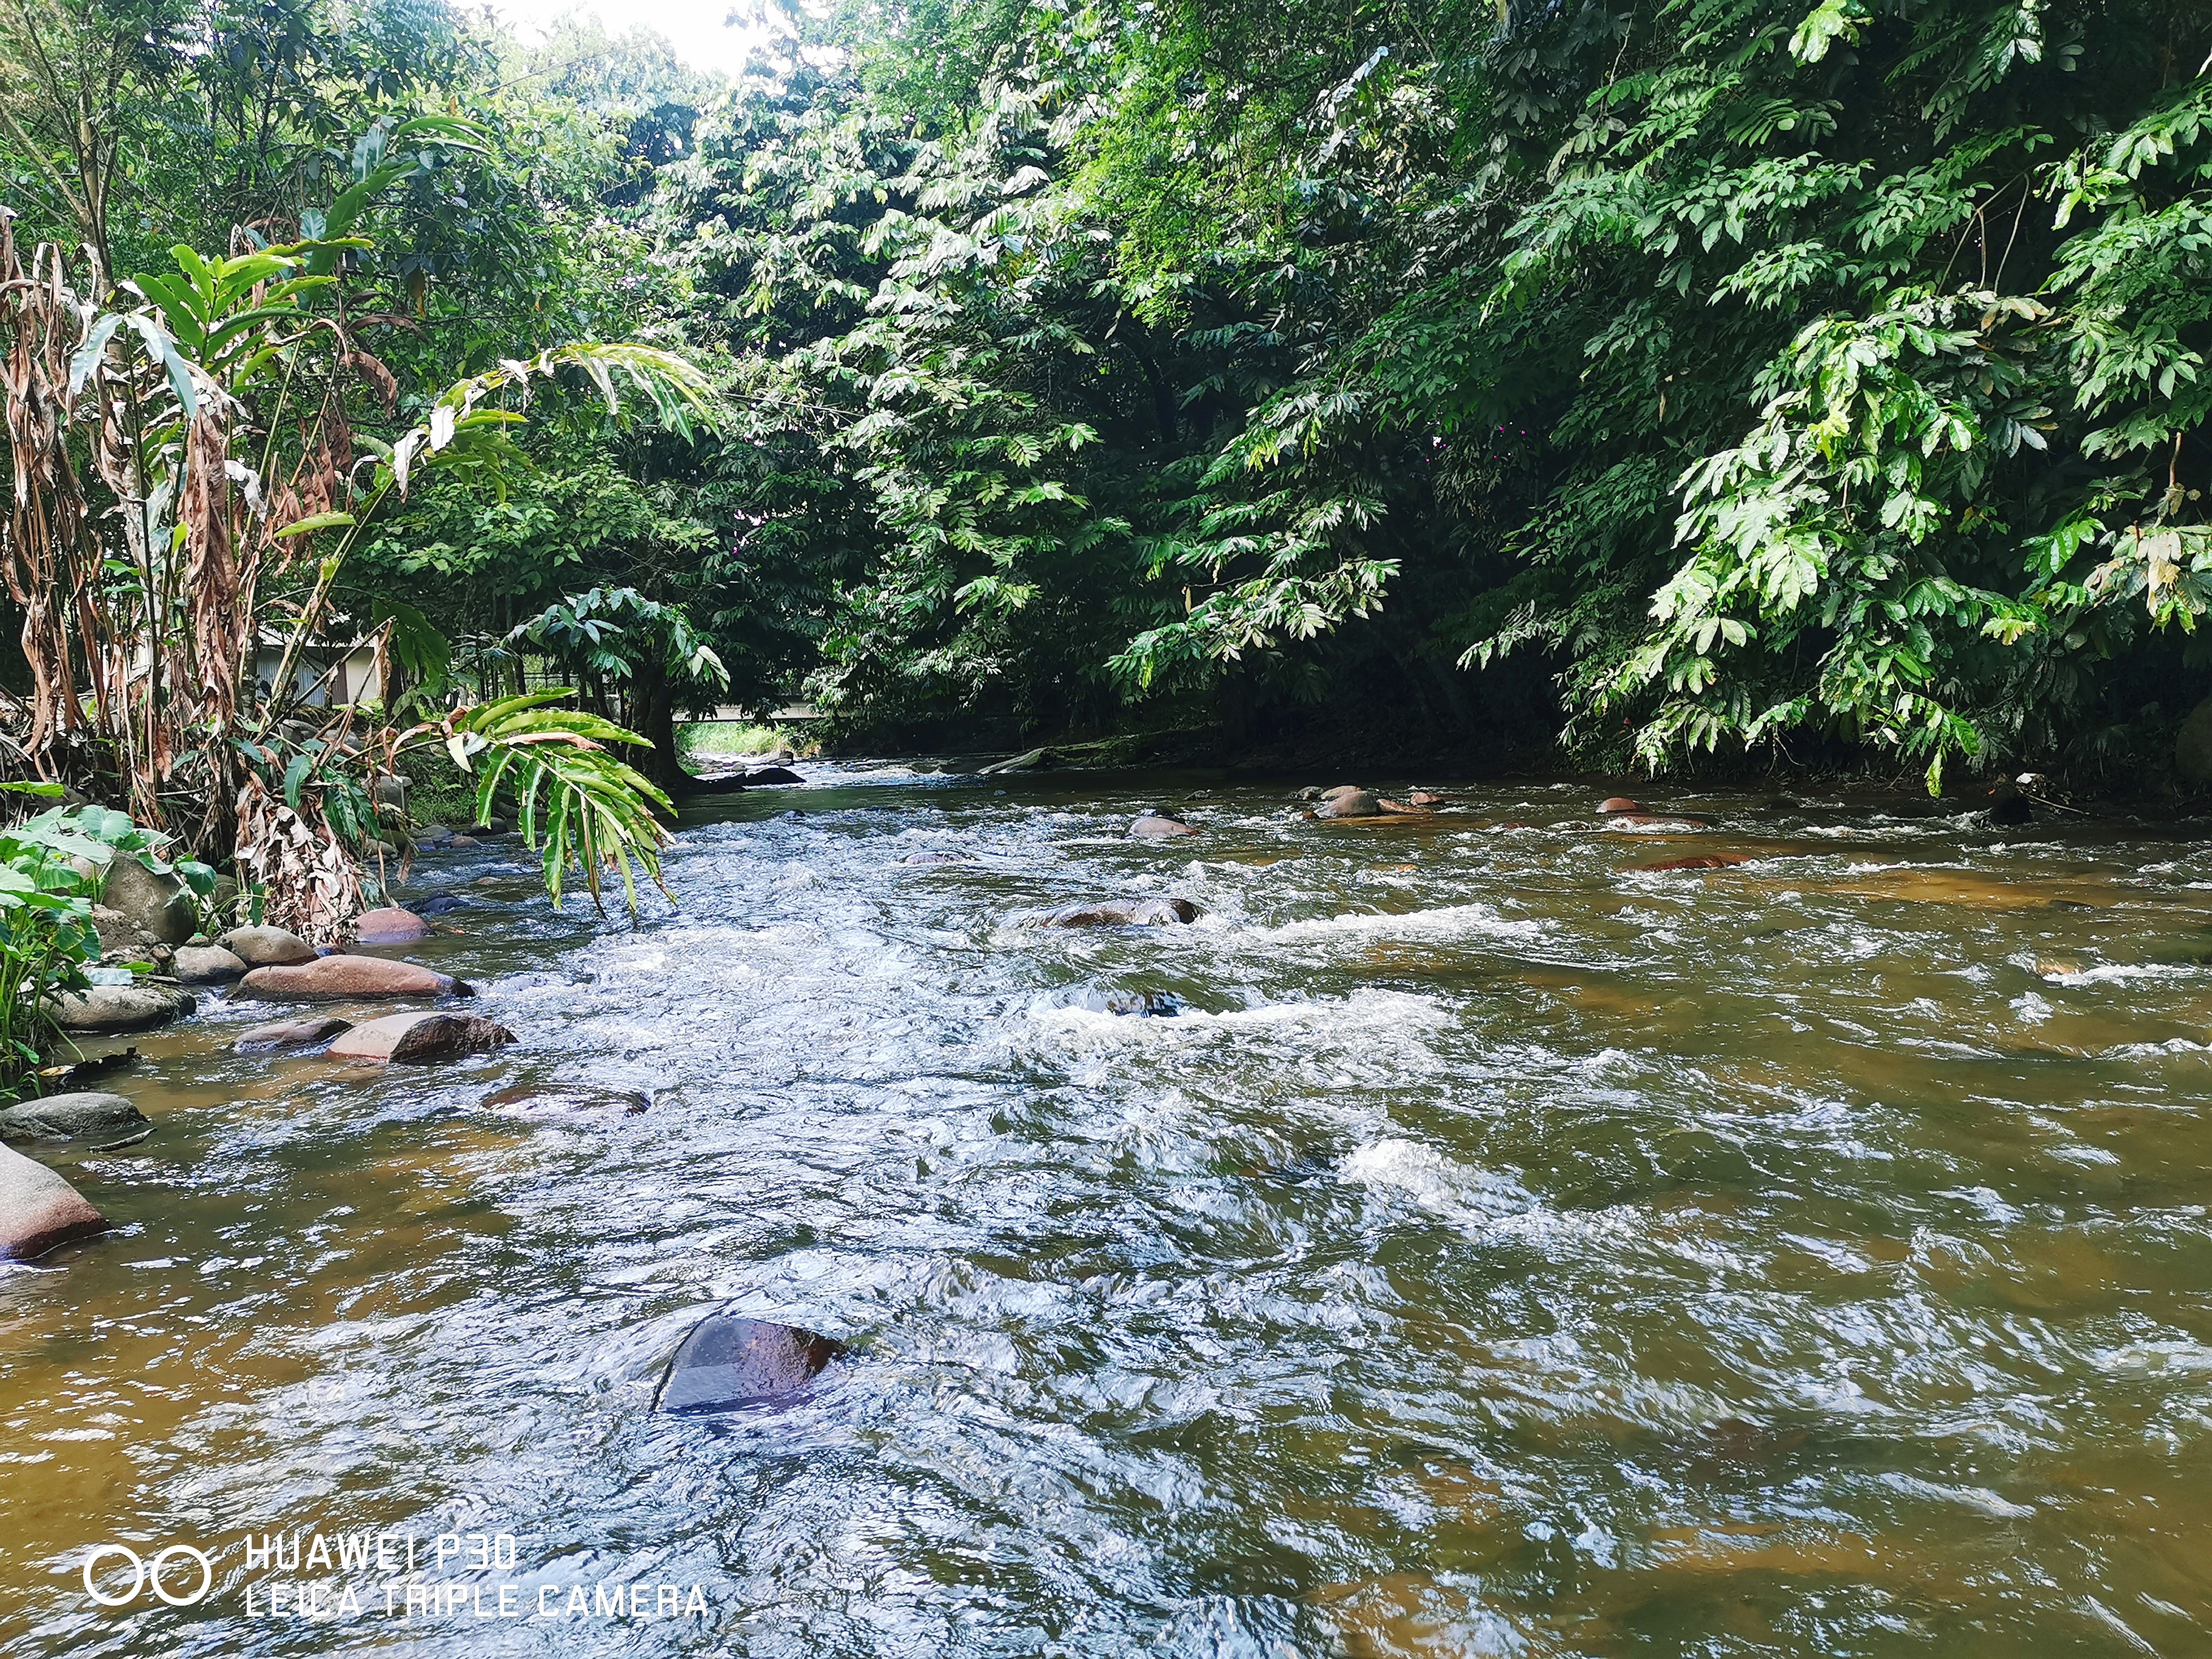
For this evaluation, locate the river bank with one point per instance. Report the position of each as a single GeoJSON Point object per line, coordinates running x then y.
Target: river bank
{"type": "Point", "coordinates": [1504, 1242]}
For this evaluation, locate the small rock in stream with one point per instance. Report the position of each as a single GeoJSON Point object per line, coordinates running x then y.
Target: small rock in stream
{"type": "Point", "coordinates": [39, 1211]}
{"type": "Point", "coordinates": [1349, 801]}
{"type": "Point", "coordinates": [291, 1034]}
{"type": "Point", "coordinates": [1116, 913]}
{"type": "Point", "coordinates": [207, 965]}
{"type": "Point", "coordinates": [266, 947]}
{"type": "Point", "coordinates": [728, 1362]}
{"type": "Point", "coordinates": [328, 978]}
{"type": "Point", "coordinates": [525, 1097]}
{"type": "Point", "coordinates": [1159, 826]}
{"type": "Point", "coordinates": [762, 775]}
{"type": "Point", "coordinates": [446, 903]}
{"type": "Point", "coordinates": [1710, 862]}
{"type": "Point", "coordinates": [120, 1008]}
{"type": "Point", "coordinates": [107, 1120]}
{"type": "Point", "coordinates": [390, 925]}
{"type": "Point", "coordinates": [421, 1039]}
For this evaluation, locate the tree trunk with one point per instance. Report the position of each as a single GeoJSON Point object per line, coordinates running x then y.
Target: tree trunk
{"type": "Point", "coordinates": [654, 719]}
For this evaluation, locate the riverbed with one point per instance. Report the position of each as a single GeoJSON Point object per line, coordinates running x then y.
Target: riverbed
{"type": "Point", "coordinates": [1492, 1245]}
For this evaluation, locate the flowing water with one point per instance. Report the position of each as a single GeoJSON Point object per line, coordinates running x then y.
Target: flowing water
{"type": "Point", "coordinates": [1504, 1249]}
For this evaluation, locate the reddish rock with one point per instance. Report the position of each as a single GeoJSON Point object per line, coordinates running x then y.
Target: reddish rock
{"type": "Point", "coordinates": [39, 1211]}
{"type": "Point", "coordinates": [1618, 804]}
{"type": "Point", "coordinates": [421, 1039]}
{"type": "Point", "coordinates": [352, 977]}
{"type": "Point", "coordinates": [390, 926]}
{"type": "Point", "coordinates": [1424, 798]}
{"type": "Point", "coordinates": [291, 1034]}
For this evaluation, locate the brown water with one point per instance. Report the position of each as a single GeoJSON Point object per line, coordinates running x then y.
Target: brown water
{"type": "Point", "coordinates": [1505, 1251]}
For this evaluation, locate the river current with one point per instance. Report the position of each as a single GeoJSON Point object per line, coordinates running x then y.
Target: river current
{"type": "Point", "coordinates": [1503, 1248]}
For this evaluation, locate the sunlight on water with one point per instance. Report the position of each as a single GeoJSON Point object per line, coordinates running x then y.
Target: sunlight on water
{"type": "Point", "coordinates": [1503, 1247]}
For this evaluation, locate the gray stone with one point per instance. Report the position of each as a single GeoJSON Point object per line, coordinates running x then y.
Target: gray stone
{"type": "Point", "coordinates": [39, 1210]}
{"type": "Point", "coordinates": [728, 1362]}
{"type": "Point", "coordinates": [266, 947]}
{"type": "Point", "coordinates": [120, 1008]}
{"type": "Point", "coordinates": [160, 906]}
{"type": "Point", "coordinates": [2192, 745]}
{"type": "Point", "coordinates": [1156, 826]}
{"type": "Point", "coordinates": [291, 1034]}
{"type": "Point", "coordinates": [108, 1119]}
{"type": "Point", "coordinates": [1349, 802]}
{"type": "Point", "coordinates": [207, 965]}
{"type": "Point", "coordinates": [421, 1039]}
{"type": "Point", "coordinates": [1037, 760]}
{"type": "Point", "coordinates": [390, 791]}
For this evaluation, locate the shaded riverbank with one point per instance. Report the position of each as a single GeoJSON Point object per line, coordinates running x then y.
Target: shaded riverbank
{"type": "Point", "coordinates": [1504, 1247]}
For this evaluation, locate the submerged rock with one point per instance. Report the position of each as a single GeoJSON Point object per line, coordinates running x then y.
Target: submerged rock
{"type": "Point", "coordinates": [39, 1210]}
{"type": "Point", "coordinates": [1141, 1004]}
{"type": "Point", "coordinates": [728, 1362]}
{"type": "Point", "coordinates": [1710, 862]}
{"type": "Point", "coordinates": [933, 858]}
{"type": "Point", "coordinates": [390, 926]}
{"type": "Point", "coordinates": [567, 1097]}
{"type": "Point", "coordinates": [109, 1120]}
{"type": "Point", "coordinates": [421, 1039]}
{"type": "Point", "coordinates": [159, 906]}
{"type": "Point", "coordinates": [291, 1034]}
{"type": "Point", "coordinates": [1159, 826]}
{"type": "Point", "coordinates": [266, 947]}
{"type": "Point", "coordinates": [446, 903]}
{"type": "Point", "coordinates": [353, 977]}
{"type": "Point", "coordinates": [1116, 912]}
{"type": "Point", "coordinates": [207, 965]}
{"type": "Point", "coordinates": [120, 1007]}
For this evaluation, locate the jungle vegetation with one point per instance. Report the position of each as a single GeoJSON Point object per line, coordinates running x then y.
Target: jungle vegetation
{"type": "Point", "coordinates": [1670, 381]}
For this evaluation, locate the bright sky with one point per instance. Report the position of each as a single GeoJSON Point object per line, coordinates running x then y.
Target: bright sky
{"type": "Point", "coordinates": [693, 27]}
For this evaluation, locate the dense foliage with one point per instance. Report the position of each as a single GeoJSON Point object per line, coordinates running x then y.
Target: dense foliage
{"type": "Point", "coordinates": [1714, 375]}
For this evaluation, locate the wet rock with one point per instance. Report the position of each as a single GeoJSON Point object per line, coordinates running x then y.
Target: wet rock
{"type": "Point", "coordinates": [446, 903]}
{"type": "Point", "coordinates": [1424, 798]}
{"type": "Point", "coordinates": [106, 1119]}
{"type": "Point", "coordinates": [2009, 807]}
{"type": "Point", "coordinates": [1037, 760]}
{"type": "Point", "coordinates": [1349, 801]}
{"type": "Point", "coordinates": [532, 1097]}
{"type": "Point", "coordinates": [933, 858]}
{"type": "Point", "coordinates": [1117, 913]}
{"type": "Point", "coordinates": [266, 947]}
{"type": "Point", "coordinates": [1616, 804]}
{"type": "Point", "coordinates": [1159, 826]}
{"type": "Point", "coordinates": [1660, 821]}
{"type": "Point", "coordinates": [291, 1034]}
{"type": "Point", "coordinates": [353, 977]}
{"type": "Point", "coordinates": [1710, 862]}
{"type": "Point", "coordinates": [39, 1210]}
{"type": "Point", "coordinates": [159, 906]}
{"type": "Point", "coordinates": [207, 965]}
{"type": "Point", "coordinates": [421, 1039]}
{"type": "Point", "coordinates": [120, 1007]}
{"type": "Point", "coordinates": [464, 842]}
{"type": "Point", "coordinates": [390, 791]}
{"type": "Point", "coordinates": [762, 775]}
{"type": "Point", "coordinates": [1141, 1004]}
{"type": "Point", "coordinates": [390, 926]}
{"type": "Point", "coordinates": [1402, 808]}
{"type": "Point", "coordinates": [433, 835]}
{"type": "Point", "coordinates": [728, 1362]}
{"type": "Point", "coordinates": [2192, 745]}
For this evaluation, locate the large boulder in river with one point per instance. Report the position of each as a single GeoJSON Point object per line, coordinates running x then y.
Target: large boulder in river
{"type": "Point", "coordinates": [1349, 801]}
{"type": "Point", "coordinates": [159, 906]}
{"type": "Point", "coordinates": [390, 926]}
{"type": "Point", "coordinates": [2192, 745]}
{"type": "Point", "coordinates": [120, 1007]}
{"type": "Point", "coordinates": [1116, 912]}
{"type": "Point", "coordinates": [208, 964]}
{"type": "Point", "coordinates": [764, 775]}
{"type": "Point", "coordinates": [266, 947]}
{"type": "Point", "coordinates": [329, 977]}
{"type": "Point", "coordinates": [1157, 826]}
{"type": "Point", "coordinates": [420, 1039]}
{"type": "Point", "coordinates": [39, 1211]}
{"type": "Point", "coordinates": [107, 1120]}
{"type": "Point", "coordinates": [728, 1362]}
{"type": "Point", "coordinates": [291, 1034]}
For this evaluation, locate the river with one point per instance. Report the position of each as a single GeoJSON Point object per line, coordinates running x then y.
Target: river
{"type": "Point", "coordinates": [1504, 1249]}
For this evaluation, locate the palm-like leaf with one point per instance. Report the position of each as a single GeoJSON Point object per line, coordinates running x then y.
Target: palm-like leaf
{"type": "Point", "coordinates": [582, 807]}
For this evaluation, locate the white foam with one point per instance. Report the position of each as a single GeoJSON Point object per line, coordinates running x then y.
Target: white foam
{"type": "Point", "coordinates": [1437, 1183]}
